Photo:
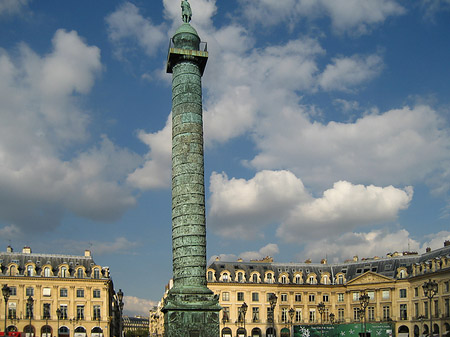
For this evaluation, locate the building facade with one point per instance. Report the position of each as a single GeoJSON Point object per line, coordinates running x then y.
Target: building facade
{"type": "Point", "coordinates": [320, 294]}
{"type": "Point", "coordinates": [56, 295]}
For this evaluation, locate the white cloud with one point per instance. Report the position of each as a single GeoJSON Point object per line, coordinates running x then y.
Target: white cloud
{"type": "Point", "coordinates": [42, 121]}
{"type": "Point", "coordinates": [347, 72]}
{"type": "Point", "coordinates": [10, 7]}
{"type": "Point", "coordinates": [370, 244]}
{"type": "Point", "coordinates": [353, 16]}
{"type": "Point", "coordinates": [126, 23]}
{"type": "Point", "coordinates": [135, 306]}
{"type": "Point", "coordinates": [343, 208]}
{"type": "Point", "coordinates": [399, 147]}
{"type": "Point", "coordinates": [271, 249]}
{"type": "Point", "coordinates": [156, 171]}
{"type": "Point", "coordinates": [364, 245]}
{"type": "Point", "coordinates": [435, 240]}
{"type": "Point", "coordinates": [241, 208]}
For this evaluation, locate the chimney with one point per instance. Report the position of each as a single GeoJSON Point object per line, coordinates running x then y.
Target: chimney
{"type": "Point", "coordinates": [446, 243]}
{"type": "Point", "coordinates": [26, 250]}
{"type": "Point", "coordinates": [9, 249]}
{"type": "Point", "coordinates": [308, 261]}
{"type": "Point", "coordinates": [428, 249]}
{"type": "Point", "coordinates": [355, 258]}
{"type": "Point", "coordinates": [323, 261]}
{"type": "Point", "coordinates": [87, 253]}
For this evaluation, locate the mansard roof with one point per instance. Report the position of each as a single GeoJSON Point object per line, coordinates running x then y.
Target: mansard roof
{"type": "Point", "coordinates": [387, 267]}
{"type": "Point", "coordinates": [54, 260]}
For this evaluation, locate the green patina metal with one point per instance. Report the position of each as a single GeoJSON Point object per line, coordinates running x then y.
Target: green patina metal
{"type": "Point", "coordinates": [190, 309]}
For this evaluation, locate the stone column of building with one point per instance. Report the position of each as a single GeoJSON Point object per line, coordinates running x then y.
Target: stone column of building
{"type": "Point", "coordinates": [190, 309]}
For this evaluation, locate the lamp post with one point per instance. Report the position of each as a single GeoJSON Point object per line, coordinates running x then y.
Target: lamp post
{"type": "Point", "coordinates": [58, 315]}
{"type": "Point", "coordinates": [364, 302]}
{"type": "Point", "coordinates": [244, 308]}
{"type": "Point", "coordinates": [30, 302]}
{"type": "Point", "coordinates": [6, 293]}
{"type": "Point", "coordinates": [291, 315]}
{"type": "Point", "coordinates": [321, 308]}
{"type": "Point", "coordinates": [120, 298]}
{"type": "Point", "coordinates": [332, 322]}
{"type": "Point", "coordinates": [273, 302]}
{"type": "Point", "coordinates": [430, 289]}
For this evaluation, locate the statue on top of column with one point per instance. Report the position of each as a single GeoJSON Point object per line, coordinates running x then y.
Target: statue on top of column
{"type": "Point", "coordinates": [186, 12]}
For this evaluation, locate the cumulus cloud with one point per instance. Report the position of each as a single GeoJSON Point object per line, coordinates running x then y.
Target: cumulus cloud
{"type": "Point", "coordinates": [353, 16]}
{"type": "Point", "coordinates": [271, 249]}
{"type": "Point", "coordinates": [127, 23]}
{"type": "Point", "coordinates": [343, 208]}
{"type": "Point", "coordinates": [135, 306]}
{"type": "Point", "coordinates": [156, 171]}
{"type": "Point", "coordinates": [242, 208]}
{"type": "Point", "coordinates": [11, 7]}
{"type": "Point", "coordinates": [42, 118]}
{"type": "Point", "coordinates": [364, 245]}
{"type": "Point", "coordinates": [401, 146]}
{"type": "Point", "coordinates": [347, 72]}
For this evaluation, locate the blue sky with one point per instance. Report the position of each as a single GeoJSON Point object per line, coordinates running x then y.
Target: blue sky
{"type": "Point", "coordinates": [326, 130]}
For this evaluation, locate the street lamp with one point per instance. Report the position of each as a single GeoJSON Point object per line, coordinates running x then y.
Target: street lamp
{"type": "Point", "coordinates": [332, 322]}
{"type": "Point", "coordinates": [273, 302]}
{"type": "Point", "coordinates": [6, 293]}
{"type": "Point", "coordinates": [30, 312]}
{"type": "Point", "coordinates": [364, 302]}
{"type": "Point", "coordinates": [244, 308]}
{"type": "Point", "coordinates": [321, 308]}
{"type": "Point", "coordinates": [120, 298]}
{"type": "Point", "coordinates": [291, 315]}
{"type": "Point", "coordinates": [58, 315]}
{"type": "Point", "coordinates": [430, 289]}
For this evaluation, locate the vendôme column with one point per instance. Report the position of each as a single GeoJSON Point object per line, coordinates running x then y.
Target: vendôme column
{"type": "Point", "coordinates": [190, 309]}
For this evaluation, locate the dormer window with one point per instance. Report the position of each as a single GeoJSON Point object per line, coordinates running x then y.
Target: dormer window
{"type": "Point", "coordinates": [80, 273]}
{"type": "Point", "coordinates": [269, 278]}
{"type": "Point", "coordinates": [46, 272]}
{"type": "Point", "coordinates": [225, 277]}
{"type": "Point", "coordinates": [210, 276]}
{"type": "Point", "coordinates": [284, 279]}
{"type": "Point", "coordinates": [298, 279]}
{"type": "Point", "coordinates": [96, 273]}
{"type": "Point", "coordinates": [30, 271]}
{"type": "Point", "coordinates": [63, 272]}
{"type": "Point", "coordinates": [255, 278]}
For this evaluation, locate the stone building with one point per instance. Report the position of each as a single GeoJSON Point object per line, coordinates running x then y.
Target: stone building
{"type": "Point", "coordinates": [49, 292]}
{"type": "Point", "coordinates": [318, 294]}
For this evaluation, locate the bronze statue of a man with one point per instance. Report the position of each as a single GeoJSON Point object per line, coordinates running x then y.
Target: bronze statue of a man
{"type": "Point", "coordinates": [186, 12]}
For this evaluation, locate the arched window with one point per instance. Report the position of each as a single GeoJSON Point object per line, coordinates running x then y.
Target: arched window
{"type": "Point", "coordinates": [341, 279]}
{"type": "Point", "coordinates": [30, 271]}
{"type": "Point", "coordinates": [210, 276]}
{"type": "Point", "coordinates": [80, 273]}
{"type": "Point", "coordinates": [311, 280]}
{"type": "Point", "coordinates": [46, 272]}
{"type": "Point", "coordinates": [225, 277]}
{"type": "Point", "coordinates": [325, 279]}
{"type": "Point", "coordinates": [298, 279]}
{"type": "Point", "coordinates": [402, 274]}
{"type": "Point", "coordinates": [269, 278]}
{"type": "Point", "coordinates": [63, 272]}
{"type": "Point", "coordinates": [284, 279]}
{"type": "Point", "coordinates": [96, 273]}
{"type": "Point", "coordinates": [240, 277]}
{"type": "Point", "coordinates": [12, 270]}
{"type": "Point", "coordinates": [255, 278]}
